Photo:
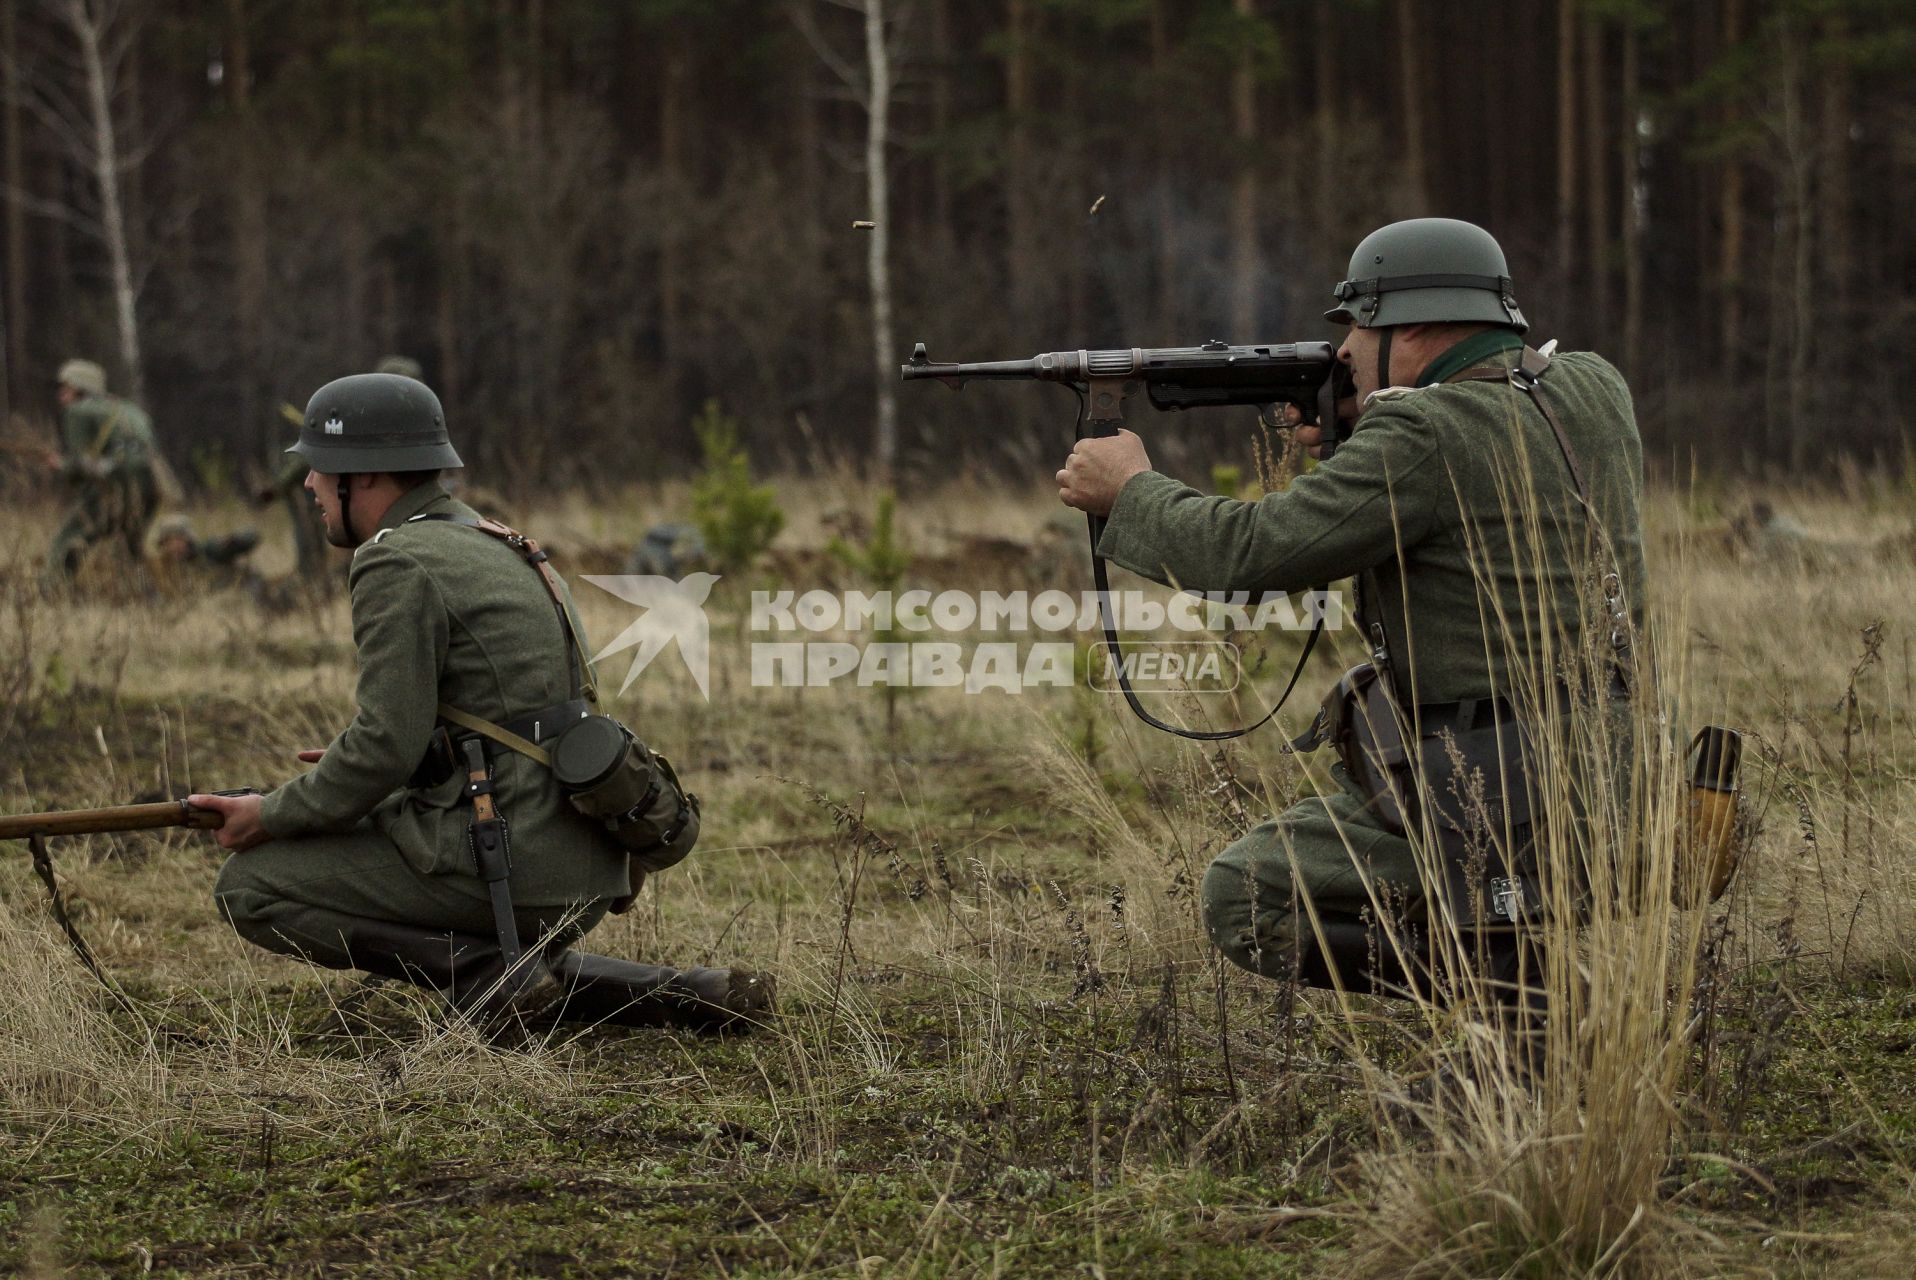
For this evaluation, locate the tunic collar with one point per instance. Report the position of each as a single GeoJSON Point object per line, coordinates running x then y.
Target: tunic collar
{"type": "Point", "coordinates": [1474, 350]}
{"type": "Point", "coordinates": [410, 503]}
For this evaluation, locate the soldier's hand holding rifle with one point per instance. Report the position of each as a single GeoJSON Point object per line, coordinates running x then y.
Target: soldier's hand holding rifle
{"type": "Point", "coordinates": [242, 829]}
{"type": "Point", "coordinates": [1100, 466]}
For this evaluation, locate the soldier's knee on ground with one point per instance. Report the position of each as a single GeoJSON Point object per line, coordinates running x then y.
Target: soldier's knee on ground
{"type": "Point", "coordinates": [1247, 916]}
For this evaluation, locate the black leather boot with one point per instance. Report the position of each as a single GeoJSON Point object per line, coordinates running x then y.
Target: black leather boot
{"type": "Point", "coordinates": [1513, 971]}
{"type": "Point", "coordinates": [624, 993]}
{"type": "Point", "coordinates": [467, 969]}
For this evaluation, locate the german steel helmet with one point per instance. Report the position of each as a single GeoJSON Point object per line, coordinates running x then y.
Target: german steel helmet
{"type": "Point", "coordinates": [374, 422]}
{"type": "Point", "coordinates": [1426, 271]}
{"type": "Point", "coordinates": [83, 376]}
{"type": "Point", "coordinates": [404, 366]}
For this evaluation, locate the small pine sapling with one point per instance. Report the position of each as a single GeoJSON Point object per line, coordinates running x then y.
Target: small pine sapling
{"type": "Point", "coordinates": [737, 519]}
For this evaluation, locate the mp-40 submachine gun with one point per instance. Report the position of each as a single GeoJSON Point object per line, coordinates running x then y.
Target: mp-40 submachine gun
{"type": "Point", "coordinates": [1304, 374]}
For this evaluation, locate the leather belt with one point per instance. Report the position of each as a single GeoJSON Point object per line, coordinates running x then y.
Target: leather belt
{"type": "Point", "coordinates": [548, 722]}
{"type": "Point", "coordinates": [537, 727]}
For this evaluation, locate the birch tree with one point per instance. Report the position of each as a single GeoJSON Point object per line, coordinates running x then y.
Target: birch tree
{"type": "Point", "coordinates": [871, 85]}
{"type": "Point", "coordinates": [76, 93]}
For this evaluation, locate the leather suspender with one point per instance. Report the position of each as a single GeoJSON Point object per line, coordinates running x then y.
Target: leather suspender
{"type": "Point", "coordinates": [491, 847]}
{"type": "Point", "coordinates": [1527, 377]}
{"type": "Point", "coordinates": [529, 550]}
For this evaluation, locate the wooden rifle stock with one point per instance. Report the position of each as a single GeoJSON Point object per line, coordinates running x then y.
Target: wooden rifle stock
{"type": "Point", "coordinates": [125, 817]}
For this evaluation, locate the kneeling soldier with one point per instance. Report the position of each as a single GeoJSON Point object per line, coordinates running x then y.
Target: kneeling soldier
{"type": "Point", "coordinates": [1485, 485]}
{"type": "Point", "coordinates": [432, 840]}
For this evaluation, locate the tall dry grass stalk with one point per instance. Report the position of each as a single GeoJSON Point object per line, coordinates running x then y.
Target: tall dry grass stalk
{"type": "Point", "coordinates": [64, 1061]}
{"type": "Point", "coordinates": [1539, 1145]}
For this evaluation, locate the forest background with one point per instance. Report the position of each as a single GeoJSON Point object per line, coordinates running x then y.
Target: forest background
{"type": "Point", "coordinates": [587, 217]}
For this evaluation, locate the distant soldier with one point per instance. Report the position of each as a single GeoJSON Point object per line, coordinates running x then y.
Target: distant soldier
{"type": "Point", "coordinates": [107, 455]}
{"type": "Point", "coordinates": [288, 486]}
{"type": "Point", "coordinates": [668, 551]}
{"type": "Point", "coordinates": [177, 543]}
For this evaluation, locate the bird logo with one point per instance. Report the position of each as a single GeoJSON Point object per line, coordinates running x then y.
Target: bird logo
{"type": "Point", "coordinates": [672, 611]}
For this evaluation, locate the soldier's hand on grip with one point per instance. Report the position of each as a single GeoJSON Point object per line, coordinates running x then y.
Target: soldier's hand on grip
{"type": "Point", "coordinates": [1098, 469]}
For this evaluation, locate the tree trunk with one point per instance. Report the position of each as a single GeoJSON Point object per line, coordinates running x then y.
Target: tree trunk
{"type": "Point", "coordinates": [1730, 222]}
{"type": "Point", "coordinates": [1021, 264]}
{"type": "Point", "coordinates": [673, 79]}
{"type": "Point", "coordinates": [511, 88]}
{"type": "Point", "coordinates": [1796, 270]}
{"type": "Point", "coordinates": [535, 70]}
{"type": "Point", "coordinates": [1566, 150]}
{"type": "Point", "coordinates": [816, 344]}
{"type": "Point", "coordinates": [1410, 80]}
{"type": "Point", "coordinates": [15, 380]}
{"type": "Point", "coordinates": [1169, 311]}
{"type": "Point", "coordinates": [105, 159]}
{"type": "Point", "coordinates": [446, 317]}
{"type": "Point", "coordinates": [1071, 166]}
{"type": "Point", "coordinates": [1596, 195]}
{"type": "Point", "coordinates": [1246, 261]}
{"type": "Point", "coordinates": [248, 213]}
{"type": "Point", "coordinates": [877, 178]}
{"type": "Point", "coordinates": [1630, 217]}
{"type": "Point", "coordinates": [1834, 238]}
{"type": "Point", "coordinates": [943, 205]}
{"type": "Point", "coordinates": [1324, 157]}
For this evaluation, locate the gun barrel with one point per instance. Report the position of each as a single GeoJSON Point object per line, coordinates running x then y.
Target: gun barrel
{"type": "Point", "coordinates": [1215, 373]}
{"type": "Point", "coordinates": [1003, 370]}
{"type": "Point", "coordinates": [126, 817]}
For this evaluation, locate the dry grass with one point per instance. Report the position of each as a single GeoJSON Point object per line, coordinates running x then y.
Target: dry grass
{"type": "Point", "coordinates": [1000, 1008]}
{"type": "Point", "coordinates": [62, 1058]}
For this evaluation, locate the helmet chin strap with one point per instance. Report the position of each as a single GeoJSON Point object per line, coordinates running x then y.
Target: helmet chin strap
{"type": "Point", "coordinates": [1383, 357]}
{"type": "Point", "coordinates": [346, 508]}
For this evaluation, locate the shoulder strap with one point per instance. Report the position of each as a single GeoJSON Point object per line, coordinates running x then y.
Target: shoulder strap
{"type": "Point", "coordinates": [104, 436]}
{"type": "Point", "coordinates": [498, 733]}
{"type": "Point", "coordinates": [1526, 377]}
{"type": "Point", "coordinates": [529, 550]}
